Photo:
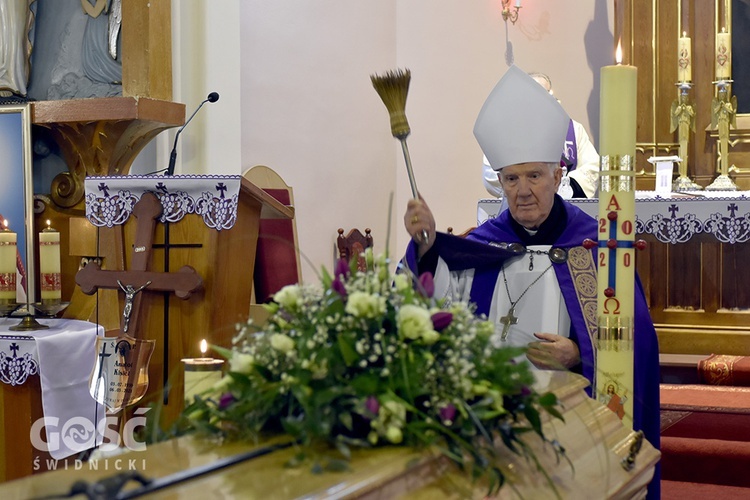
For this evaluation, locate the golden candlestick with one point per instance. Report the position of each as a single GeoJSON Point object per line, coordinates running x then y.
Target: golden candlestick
{"type": "Point", "coordinates": [682, 119]}
{"type": "Point", "coordinates": [723, 116]}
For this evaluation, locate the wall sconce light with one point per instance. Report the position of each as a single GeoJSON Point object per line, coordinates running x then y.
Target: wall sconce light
{"type": "Point", "coordinates": [511, 14]}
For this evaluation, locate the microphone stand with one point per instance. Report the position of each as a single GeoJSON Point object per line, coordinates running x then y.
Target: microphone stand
{"type": "Point", "coordinates": [212, 97]}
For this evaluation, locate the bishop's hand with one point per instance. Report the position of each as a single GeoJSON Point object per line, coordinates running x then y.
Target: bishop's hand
{"type": "Point", "coordinates": [553, 352]}
{"type": "Point", "coordinates": [418, 221]}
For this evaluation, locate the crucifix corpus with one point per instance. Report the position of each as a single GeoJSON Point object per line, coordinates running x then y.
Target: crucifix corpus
{"type": "Point", "coordinates": [120, 378]}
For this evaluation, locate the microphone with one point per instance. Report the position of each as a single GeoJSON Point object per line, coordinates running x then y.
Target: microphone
{"type": "Point", "coordinates": [212, 97]}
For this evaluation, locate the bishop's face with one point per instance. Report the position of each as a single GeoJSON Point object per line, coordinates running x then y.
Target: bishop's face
{"type": "Point", "coordinates": [530, 191]}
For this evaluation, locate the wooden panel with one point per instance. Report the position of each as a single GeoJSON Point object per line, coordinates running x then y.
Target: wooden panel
{"type": "Point", "coordinates": [147, 48]}
{"type": "Point", "coordinates": [684, 276]}
{"type": "Point", "coordinates": [20, 406]}
{"type": "Point", "coordinates": [735, 295]}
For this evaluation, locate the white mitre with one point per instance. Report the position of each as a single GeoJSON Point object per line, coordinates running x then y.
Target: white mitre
{"type": "Point", "coordinates": [521, 122]}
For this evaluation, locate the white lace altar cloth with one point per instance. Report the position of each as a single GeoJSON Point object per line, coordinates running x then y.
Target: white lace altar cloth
{"type": "Point", "coordinates": [63, 355]}
{"type": "Point", "coordinates": [110, 200]}
{"type": "Point", "coordinates": [672, 218]}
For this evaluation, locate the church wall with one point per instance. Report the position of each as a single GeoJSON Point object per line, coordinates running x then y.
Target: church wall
{"type": "Point", "coordinates": [303, 103]}
{"type": "Point", "coordinates": [310, 112]}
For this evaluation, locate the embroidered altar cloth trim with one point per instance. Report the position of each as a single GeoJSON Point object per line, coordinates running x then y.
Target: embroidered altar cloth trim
{"type": "Point", "coordinates": [110, 199]}
{"type": "Point", "coordinates": [64, 356]}
{"type": "Point", "coordinates": [672, 217]}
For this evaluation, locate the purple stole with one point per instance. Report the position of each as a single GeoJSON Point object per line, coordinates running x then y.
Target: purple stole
{"type": "Point", "coordinates": [570, 152]}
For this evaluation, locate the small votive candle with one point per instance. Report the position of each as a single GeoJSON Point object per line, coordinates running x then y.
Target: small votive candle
{"type": "Point", "coordinates": [201, 374]}
{"type": "Point", "coordinates": [49, 264]}
{"type": "Point", "coordinates": [8, 252]}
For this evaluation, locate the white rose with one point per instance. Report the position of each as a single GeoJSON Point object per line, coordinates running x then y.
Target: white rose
{"type": "Point", "coordinates": [413, 321]}
{"type": "Point", "coordinates": [281, 342]}
{"type": "Point", "coordinates": [241, 363]}
{"type": "Point", "coordinates": [289, 296]}
{"type": "Point", "coordinates": [394, 434]}
{"type": "Point", "coordinates": [402, 282]}
{"type": "Point", "coordinates": [365, 305]}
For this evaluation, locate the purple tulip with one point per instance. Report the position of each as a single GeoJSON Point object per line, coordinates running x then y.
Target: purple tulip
{"type": "Point", "coordinates": [225, 400]}
{"type": "Point", "coordinates": [338, 286]}
{"type": "Point", "coordinates": [372, 405]}
{"type": "Point", "coordinates": [427, 285]}
{"type": "Point", "coordinates": [447, 413]}
{"type": "Point", "coordinates": [441, 320]}
{"type": "Point", "coordinates": [525, 391]}
{"type": "Point", "coordinates": [342, 269]}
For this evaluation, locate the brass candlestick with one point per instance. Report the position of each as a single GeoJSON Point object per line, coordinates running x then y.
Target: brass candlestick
{"type": "Point", "coordinates": [683, 120]}
{"type": "Point", "coordinates": [723, 115]}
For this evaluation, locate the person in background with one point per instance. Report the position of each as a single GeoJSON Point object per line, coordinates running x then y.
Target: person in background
{"type": "Point", "coordinates": [579, 155]}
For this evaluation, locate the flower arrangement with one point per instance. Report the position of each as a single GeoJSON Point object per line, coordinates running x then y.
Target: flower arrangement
{"type": "Point", "coordinates": [369, 359]}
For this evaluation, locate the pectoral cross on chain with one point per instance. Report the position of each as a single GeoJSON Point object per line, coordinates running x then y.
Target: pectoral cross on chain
{"type": "Point", "coordinates": [507, 320]}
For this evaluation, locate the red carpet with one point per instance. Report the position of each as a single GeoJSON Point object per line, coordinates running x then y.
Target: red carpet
{"type": "Point", "coordinates": [705, 439]}
{"type": "Point", "coordinates": [677, 490]}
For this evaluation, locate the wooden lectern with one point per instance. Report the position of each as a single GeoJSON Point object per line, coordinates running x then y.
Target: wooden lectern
{"type": "Point", "coordinates": [223, 258]}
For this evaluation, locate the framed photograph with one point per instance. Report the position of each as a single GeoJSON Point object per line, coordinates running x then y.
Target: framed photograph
{"type": "Point", "coordinates": [16, 193]}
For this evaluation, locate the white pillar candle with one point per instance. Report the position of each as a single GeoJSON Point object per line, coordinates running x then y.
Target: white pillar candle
{"type": "Point", "coordinates": [8, 252]}
{"type": "Point", "coordinates": [49, 264]}
{"type": "Point", "coordinates": [723, 55]}
{"type": "Point", "coordinates": [684, 59]}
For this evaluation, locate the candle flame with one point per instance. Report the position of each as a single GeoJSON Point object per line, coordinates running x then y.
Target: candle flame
{"type": "Point", "coordinates": [204, 346]}
{"type": "Point", "coordinates": [5, 223]}
{"type": "Point", "coordinates": [618, 52]}
{"type": "Point", "coordinates": [49, 223]}
{"type": "Point", "coordinates": [684, 34]}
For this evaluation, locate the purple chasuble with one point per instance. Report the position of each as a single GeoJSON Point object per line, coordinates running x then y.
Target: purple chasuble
{"type": "Point", "coordinates": [479, 251]}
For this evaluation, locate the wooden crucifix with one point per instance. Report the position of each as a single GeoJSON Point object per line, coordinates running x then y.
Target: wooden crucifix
{"type": "Point", "coordinates": [138, 278]}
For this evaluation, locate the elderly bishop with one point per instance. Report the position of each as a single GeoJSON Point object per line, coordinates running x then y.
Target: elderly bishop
{"type": "Point", "coordinates": [527, 269]}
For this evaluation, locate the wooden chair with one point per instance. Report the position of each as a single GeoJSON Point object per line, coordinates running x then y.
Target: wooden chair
{"type": "Point", "coordinates": [277, 261]}
{"type": "Point", "coordinates": [353, 245]}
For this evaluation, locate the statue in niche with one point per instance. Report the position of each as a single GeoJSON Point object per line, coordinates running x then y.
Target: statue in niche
{"type": "Point", "coordinates": [16, 45]}
{"type": "Point", "coordinates": [99, 69]}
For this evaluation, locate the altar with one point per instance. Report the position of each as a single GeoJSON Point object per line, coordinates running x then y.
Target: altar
{"type": "Point", "coordinates": [46, 412]}
{"type": "Point", "coordinates": [694, 271]}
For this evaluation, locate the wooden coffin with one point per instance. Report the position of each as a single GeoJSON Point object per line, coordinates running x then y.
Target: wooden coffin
{"type": "Point", "coordinates": [595, 440]}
